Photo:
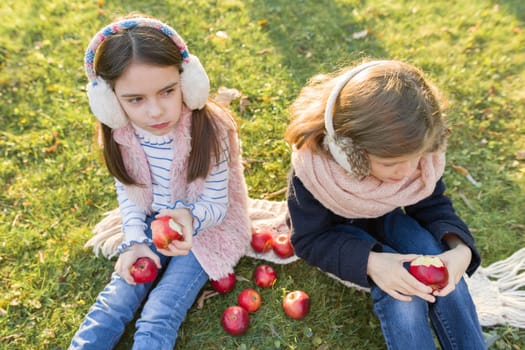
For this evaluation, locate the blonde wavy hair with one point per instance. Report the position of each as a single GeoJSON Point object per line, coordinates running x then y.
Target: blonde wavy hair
{"type": "Point", "coordinates": [388, 110]}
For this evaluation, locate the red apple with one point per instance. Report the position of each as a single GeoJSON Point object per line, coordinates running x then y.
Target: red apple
{"type": "Point", "coordinates": [249, 299]}
{"type": "Point", "coordinates": [143, 270]}
{"type": "Point", "coordinates": [265, 276]}
{"type": "Point", "coordinates": [261, 241]}
{"type": "Point", "coordinates": [164, 230]}
{"type": "Point", "coordinates": [282, 246]}
{"type": "Point", "coordinates": [296, 304]}
{"type": "Point", "coordinates": [430, 270]}
{"type": "Point", "coordinates": [235, 320]}
{"type": "Point", "coordinates": [225, 284]}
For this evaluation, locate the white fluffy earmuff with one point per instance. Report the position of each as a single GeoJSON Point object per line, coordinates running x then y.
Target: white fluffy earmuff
{"type": "Point", "coordinates": [195, 84]}
{"type": "Point", "coordinates": [336, 150]}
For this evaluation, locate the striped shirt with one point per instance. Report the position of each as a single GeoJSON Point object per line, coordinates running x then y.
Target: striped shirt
{"type": "Point", "coordinates": [208, 210]}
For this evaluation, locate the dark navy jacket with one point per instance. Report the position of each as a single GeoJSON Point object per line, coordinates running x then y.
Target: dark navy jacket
{"type": "Point", "coordinates": [317, 241]}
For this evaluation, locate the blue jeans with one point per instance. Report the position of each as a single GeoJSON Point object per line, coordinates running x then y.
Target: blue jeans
{"type": "Point", "coordinates": [405, 325]}
{"type": "Point", "coordinates": [163, 312]}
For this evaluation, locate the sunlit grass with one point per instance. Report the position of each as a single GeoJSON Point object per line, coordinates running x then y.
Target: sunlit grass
{"type": "Point", "coordinates": [55, 189]}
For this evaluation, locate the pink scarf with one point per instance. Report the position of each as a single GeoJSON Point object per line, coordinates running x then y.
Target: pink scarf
{"type": "Point", "coordinates": [369, 197]}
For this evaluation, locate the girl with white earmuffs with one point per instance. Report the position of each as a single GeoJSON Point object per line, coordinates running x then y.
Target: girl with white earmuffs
{"type": "Point", "coordinates": [366, 197]}
{"type": "Point", "coordinates": [172, 151]}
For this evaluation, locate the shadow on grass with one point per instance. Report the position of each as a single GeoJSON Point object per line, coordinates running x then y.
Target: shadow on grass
{"type": "Point", "coordinates": [314, 37]}
{"type": "Point", "coordinates": [517, 7]}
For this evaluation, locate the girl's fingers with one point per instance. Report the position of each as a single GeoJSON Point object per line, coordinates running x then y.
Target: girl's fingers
{"type": "Point", "coordinates": [399, 296]}
{"type": "Point", "coordinates": [408, 257]}
{"type": "Point", "coordinates": [449, 288]}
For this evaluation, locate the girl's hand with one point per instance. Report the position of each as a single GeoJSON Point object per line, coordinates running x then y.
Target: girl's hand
{"type": "Point", "coordinates": [183, 218]}
{"type": "Point", "coordinates": [128, 258]}
{"type": "Point", "coordinates": [457, 261]}
{"type": "Point", "coordinates": [388, 272]}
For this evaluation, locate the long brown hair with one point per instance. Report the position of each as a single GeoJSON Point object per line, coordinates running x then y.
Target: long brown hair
{"type": "Point", "coordinates": [388, 110]}
{"type": "Point", "coordinates": [148, 45]}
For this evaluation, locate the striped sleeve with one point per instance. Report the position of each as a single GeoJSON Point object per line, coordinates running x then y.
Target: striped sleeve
{"type": "Point", "coordinates": [133, 219]}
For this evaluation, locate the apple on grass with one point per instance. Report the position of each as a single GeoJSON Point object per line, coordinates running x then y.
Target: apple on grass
{"type": "Point", "coordinates": [429, 270]}
{"type": "Point", "coordinates": [261, 241]}
{"type": "Point", "coordinates": [235, 320]}
{"type": "Point", "coordinates": [296, 304]}
{"type": "Point", "coordinates": [282, 246]}
{"type": "Point", "coordinates": [249, 299]}
{"type": "Point", "coordinates": [225, 284]}
{"type": "Point", "coordinates": [265, 276]}
{"type": "Point", "coordinates": [164, 230]}
{"type": "Point", "coordinates": [143, 270]}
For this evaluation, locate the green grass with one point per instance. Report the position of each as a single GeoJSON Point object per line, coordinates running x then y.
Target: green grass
{"type": "Point", "coordinates": [55, 189]}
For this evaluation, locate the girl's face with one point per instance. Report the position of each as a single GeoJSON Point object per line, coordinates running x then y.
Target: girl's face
{"type": "Point", "coordinates": [392, 170]}
{"type": "Point", "coordinates": [151, 96]}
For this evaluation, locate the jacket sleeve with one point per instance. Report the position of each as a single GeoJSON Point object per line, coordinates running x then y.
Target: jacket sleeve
{"type": "Point", "coordinates": [319, 240]}
{"type": "Point", "coordinates": [436, 214]}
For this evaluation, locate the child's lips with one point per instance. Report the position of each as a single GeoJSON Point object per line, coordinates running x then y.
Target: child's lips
{"type": "Point", "coordinates": [160, 126]}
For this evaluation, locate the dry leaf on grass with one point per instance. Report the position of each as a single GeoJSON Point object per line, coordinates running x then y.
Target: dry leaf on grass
{"type": "Point", "coordinates": [463, 171]}
{"type": "Point", "coordinates": [226, 95]}
{"type": "Point", "coordinates": [520, 155]}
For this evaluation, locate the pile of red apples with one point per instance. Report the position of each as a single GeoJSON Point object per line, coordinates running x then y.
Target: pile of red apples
{"type": "Point", "coordinates": [236, 318]}
{"type": "Point", "coordinates": [296, 304]}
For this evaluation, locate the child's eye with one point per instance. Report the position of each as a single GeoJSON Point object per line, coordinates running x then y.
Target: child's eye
{"type": "Point", "coordinates": [135, 100]}
{"type": "Point", "coordinates": [168, 92]}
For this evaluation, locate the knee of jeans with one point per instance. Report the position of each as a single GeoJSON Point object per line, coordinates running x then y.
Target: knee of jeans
{"type": "Point", "coordinates": [406, 313]}
{"type": "Point", "coordinates": [146, 340]}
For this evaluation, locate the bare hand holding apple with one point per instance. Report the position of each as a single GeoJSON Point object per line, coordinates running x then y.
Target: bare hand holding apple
{"type": "Point", "coordinates": [430, 270]}
{"type": "Point", "coordinates": [457, 261]}
{"type": "Point", "coordinates": [389, 274]}
{"type": "Point", "coordinates": [184, 220]}
{"type": "Point", "coordinates": [126, 260]}
{"type": "Point", "coordinates": [144, 270]}
{"type": "Point", "coordinates": [164, 230]}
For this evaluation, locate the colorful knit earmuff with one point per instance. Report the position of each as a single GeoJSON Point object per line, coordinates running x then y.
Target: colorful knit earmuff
{"type": "Point", "coordinates": [342, 149]}
{"type": "Point", "coordinates": [195, 85]}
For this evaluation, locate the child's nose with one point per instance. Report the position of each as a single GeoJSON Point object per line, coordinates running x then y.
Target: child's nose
{"type": "Point", "coordinates": [154, 109]}
{"type": "Point", "coordinates": [407, 168]}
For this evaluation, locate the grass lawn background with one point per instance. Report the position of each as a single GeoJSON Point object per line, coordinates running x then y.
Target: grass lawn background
{"type": "Point", "coordinates": [55, 188]}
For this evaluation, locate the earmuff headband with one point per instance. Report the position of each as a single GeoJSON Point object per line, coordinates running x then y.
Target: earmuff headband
{"type": "Point", "coordinates": [123, 25]}
{"type": "Point", "coordinates": [336, 150]}
{"type": "Point", "coordinates": [194, 82]}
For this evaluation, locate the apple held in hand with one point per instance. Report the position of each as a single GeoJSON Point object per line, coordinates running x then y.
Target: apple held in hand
{"type": "Point", "coordinates": [164, 230]}
{"type": "Point", "coordinates": [296, 304]}
{"type": "Point", "coordinates": [225, 284]}
{"type": "Point", "coordinates": [249, 299]}
{"type": "Point", "coordinates": [261, 241]}
{"type": "Point", "coordinates": [429, 270]}
{"type": "Point", "coordinates": [282, 246]}
{"type": "Point", "coordinates": [143, 270]}
{"type": "Point", "coordinates": [264, 276]}
{"type": "Point", "coordinates": [235, 320]}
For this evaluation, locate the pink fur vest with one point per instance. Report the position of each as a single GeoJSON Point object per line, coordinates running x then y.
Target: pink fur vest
{"type": "Point", "coordinates": [217, 248]}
